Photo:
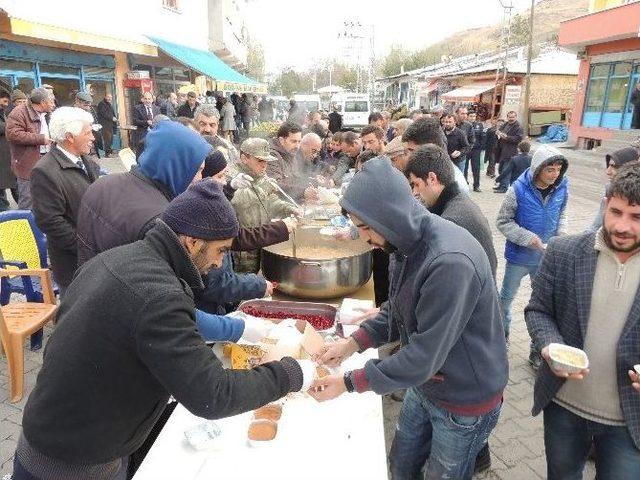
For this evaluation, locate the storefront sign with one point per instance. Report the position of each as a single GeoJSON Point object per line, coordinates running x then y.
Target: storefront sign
{"type": "Point", "coordinates": [137, 74]}
{"type": "Point", "coordinates": [241, 87]}
{"type": "Point", "coordinates": [512, 94]}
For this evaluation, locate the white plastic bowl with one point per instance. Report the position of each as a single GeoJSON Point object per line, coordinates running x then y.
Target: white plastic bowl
{"type": "Point", "coordinates": [558, 363]}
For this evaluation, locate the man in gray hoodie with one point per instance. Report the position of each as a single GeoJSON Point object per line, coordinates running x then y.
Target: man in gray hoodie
{"type": "Point", "coordinates": [443, 307]}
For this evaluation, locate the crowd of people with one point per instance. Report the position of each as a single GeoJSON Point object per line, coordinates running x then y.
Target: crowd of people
{"type": "Point", "coordinates": [151, 264]}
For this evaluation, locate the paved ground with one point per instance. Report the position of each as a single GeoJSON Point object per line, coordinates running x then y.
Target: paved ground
{"type": "Point", "coordinates": [516, 444]}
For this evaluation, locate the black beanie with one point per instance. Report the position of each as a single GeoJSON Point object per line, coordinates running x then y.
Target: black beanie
{"type": "Point", "coordinates": [622, 156]}
{"type": "Point", "coordinates": [202, 212]}
{"type": "Point", "coordinates": [213, 164]}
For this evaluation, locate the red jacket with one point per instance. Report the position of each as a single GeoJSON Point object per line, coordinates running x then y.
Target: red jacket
{"type": "Point", "coordinates": [24, 137]}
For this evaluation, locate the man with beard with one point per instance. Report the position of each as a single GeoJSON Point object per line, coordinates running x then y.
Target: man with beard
{"type": "Point", "coordinates": [453, 359]}
{"type": "Point", "coordinates": [586, 295]}
{"type": "Point", "coordinates": [533, 211]}
{"type": "Point", "coordinates": [457, 144]}
{"type": "Point", "coordinates": [463, 123]}
{"type": "Point", "coordinates": [126, 341]}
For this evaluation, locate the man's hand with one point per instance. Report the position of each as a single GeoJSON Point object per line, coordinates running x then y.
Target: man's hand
{"type": "Point", "coordinates": [242, 180]}
{"type": "Point", "coordinates": [537, 244]}
{"type": "Point", "coordinates": [455, 154]}
{"type": "Point", "coordinates": [269, 290]}
{"type": "Point", "coordinates": [291, 223]}
{"type": "Point", "coordinates": [334, 353]}
{"type": "Point", "coordinates": [327, 388]}
{"type": "Point", "coordinates": [562, 373]}
{"type": "Point", "coordinates": [47, 140]}
{"type": "Point", "coordinates": [311, 194]}
{"type": "Point", "coordinates": [635, 380]}
{"type": "Point", "coordinates": [149, 122]}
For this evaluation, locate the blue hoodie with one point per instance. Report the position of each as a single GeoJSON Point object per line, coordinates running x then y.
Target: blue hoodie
{"type": "Point", "coordinates": [172, 155]}
{"type": "Point", "coordinates": [442, 304]}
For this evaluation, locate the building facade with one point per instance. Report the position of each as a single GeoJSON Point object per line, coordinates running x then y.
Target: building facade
{"type": "Point", "coordinates": [159, 46]}
{"type": "Point", "coordinates": [607, 44]}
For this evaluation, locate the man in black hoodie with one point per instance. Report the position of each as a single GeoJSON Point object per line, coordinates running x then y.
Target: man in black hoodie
{"type": "Point", "coordinates": [126, 341]}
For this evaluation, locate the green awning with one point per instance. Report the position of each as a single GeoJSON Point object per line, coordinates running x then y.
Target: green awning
{"type": "Point", "coordinates": [206, 63]}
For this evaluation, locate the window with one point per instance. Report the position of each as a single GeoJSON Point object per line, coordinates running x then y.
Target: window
{"type": "Point", "coordinates": [356, 106]}
{"type": "Point", "coordinates": [171, 5]}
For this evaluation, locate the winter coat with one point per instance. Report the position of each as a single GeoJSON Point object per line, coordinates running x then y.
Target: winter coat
{"type": "Point", "coordinates": [345, 163]}
{"type": "Point", "coordinates": [457, 140]}
{"type": "Point", "coordinates": [228, 117]}
{"type": "Point", "coordinates": [126, 340]}
{"type": "Point", "coordinates": [185, 110]}
{"type": "Point", "coordinates": [514, 168]}
{"type": "Point", "coordinates": [469, 134]}
{"type": "Point", "coordinates": [478, 135]}
{"type": "Point", "coordinates": [57, 187]}
{"type": "Point", "coordinates": [105, 115]}
{"type": "Point", "coordinates": [508, 147]}
{"type": "Point", "coordinates": [457, 207]}
{"type": "Point", "coordinates": [455, 352]}
{"type": "Point", "coordinates": [120, 208]}
{"type": "Point", "coordinates": [524, 214]}
{"type": "Point", "coordinates": [22, 130]}
{"type": "Point", "coordinates": [255, 206]}
{"type": "Point", "coordinates": [335, 122]}
{"type": "Point", "coordinates": [7, 177]}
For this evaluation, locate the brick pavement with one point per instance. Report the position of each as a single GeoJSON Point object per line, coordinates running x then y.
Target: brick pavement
{"type": "Point", "coordinates": [516, 444]}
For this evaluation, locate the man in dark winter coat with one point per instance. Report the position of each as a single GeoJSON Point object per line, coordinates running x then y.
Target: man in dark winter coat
{"type": "Point", "coordinates": [7, 178]}
{"type": "Point", "coordinates": [509, 136]}
{"type": "Point", "coordinates": [453, 358]}
{"type": "Point", "coordinates": [463, 123]}
{"type": "Point", "coordinates": [335, 120]}
{"type": "Point", "coordinates": [457, 144]}
{"type": "Point", "coordinates": [433, 182]}
{"type": "Point", "coordinates": [126, 341]}
{"type": "Point", "coordinates": [58, 182]}
{"type": "Point", "coordinates": [490, 143]}
{"type": "Point", "coordinates": [188, 108]}
{"type": "Point", "coordinates": [476, 151]}
{"type": "Point", "coordinates": [514, 168]}
{"type": "Point", "coordinates": [107, 118]}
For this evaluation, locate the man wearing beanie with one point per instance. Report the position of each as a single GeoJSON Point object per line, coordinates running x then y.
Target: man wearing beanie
{"type": "Point", "coordinates": [453, 359]}
{"type": "Point", "coordinates": [126, 341]}
{"type": "Point", "coordinates": [613, 162]}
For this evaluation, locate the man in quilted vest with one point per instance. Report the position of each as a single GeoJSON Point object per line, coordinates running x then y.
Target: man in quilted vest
{"type": "Point", "coordinates": [532, 212]}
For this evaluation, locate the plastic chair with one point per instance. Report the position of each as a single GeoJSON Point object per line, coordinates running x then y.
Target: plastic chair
{"type": "Point", "coordinates": [22, 245]}
{"type": "Point", "coordinates": [21, 319]}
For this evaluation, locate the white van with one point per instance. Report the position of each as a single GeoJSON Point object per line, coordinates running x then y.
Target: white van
{"type": "Point", "coordinates": [308, 102]}
{"type": "Point", "coordinates": [354, 108]}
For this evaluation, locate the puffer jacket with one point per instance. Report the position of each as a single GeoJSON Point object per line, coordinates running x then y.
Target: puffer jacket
{"type": "Point", "coordinates": [524, 214]}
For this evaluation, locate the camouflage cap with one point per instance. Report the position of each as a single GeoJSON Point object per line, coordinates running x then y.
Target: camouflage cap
{"type": "Point", "coordinates": [394, 147]}
{"type": "Point", "coordinates": [257, 147]}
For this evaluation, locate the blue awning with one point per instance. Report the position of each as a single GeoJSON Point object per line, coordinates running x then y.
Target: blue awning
{"type": "Point", "coordinates": [204, 62]}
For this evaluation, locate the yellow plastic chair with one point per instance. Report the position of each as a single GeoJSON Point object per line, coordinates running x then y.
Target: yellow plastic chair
{"type": "Point", "coordinates": [18, 320]}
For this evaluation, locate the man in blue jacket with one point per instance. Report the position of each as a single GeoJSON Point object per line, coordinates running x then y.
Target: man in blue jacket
{"type": "Point", "coordinates": [453, 359]}
{"type": "Point", "coordinates": [532, 212]}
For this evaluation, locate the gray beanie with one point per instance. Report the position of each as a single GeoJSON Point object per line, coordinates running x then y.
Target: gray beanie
{"type": "Point", "coordinates": [202, 212]}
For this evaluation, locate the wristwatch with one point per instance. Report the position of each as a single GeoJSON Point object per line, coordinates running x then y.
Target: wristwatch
{"type": "Point", "coordinates": [348, 382]}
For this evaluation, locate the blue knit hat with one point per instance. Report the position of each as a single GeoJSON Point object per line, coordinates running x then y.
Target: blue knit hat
{"type": "Point", "coordinates": [202, 212]}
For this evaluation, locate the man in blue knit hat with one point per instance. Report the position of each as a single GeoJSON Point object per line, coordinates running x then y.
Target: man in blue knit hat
{"type": "Point", "coordinates": [443, 308]}
{"type": "Point", "coordinates": [126, 341]}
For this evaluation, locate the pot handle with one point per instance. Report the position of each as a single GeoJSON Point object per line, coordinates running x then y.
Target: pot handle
{"type": "Point", "coordinates": [310, 264]}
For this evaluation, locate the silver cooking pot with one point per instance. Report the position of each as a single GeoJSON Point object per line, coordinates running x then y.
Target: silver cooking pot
{"type": "Point", "coordinates": [307, 277]}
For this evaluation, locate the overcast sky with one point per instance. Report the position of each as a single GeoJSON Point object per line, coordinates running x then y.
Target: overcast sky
{"type": "Point", "coordinates": [295, 33]}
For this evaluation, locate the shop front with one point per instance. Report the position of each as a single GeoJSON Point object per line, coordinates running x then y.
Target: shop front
{"type": "Point", "coordinates": [608, 46]}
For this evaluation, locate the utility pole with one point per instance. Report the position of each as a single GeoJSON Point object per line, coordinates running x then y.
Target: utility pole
{"type": "Point", "coordinates": [506, 36]}
{"type": "Point", "coordinates": [527, 87]}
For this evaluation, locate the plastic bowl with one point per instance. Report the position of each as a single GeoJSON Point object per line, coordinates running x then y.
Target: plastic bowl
{"type": "Point", "coordinates": [567, 359]}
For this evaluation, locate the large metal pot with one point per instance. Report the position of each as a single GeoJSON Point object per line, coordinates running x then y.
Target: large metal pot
{"type": "Point", "coordinates": [318, 278]}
